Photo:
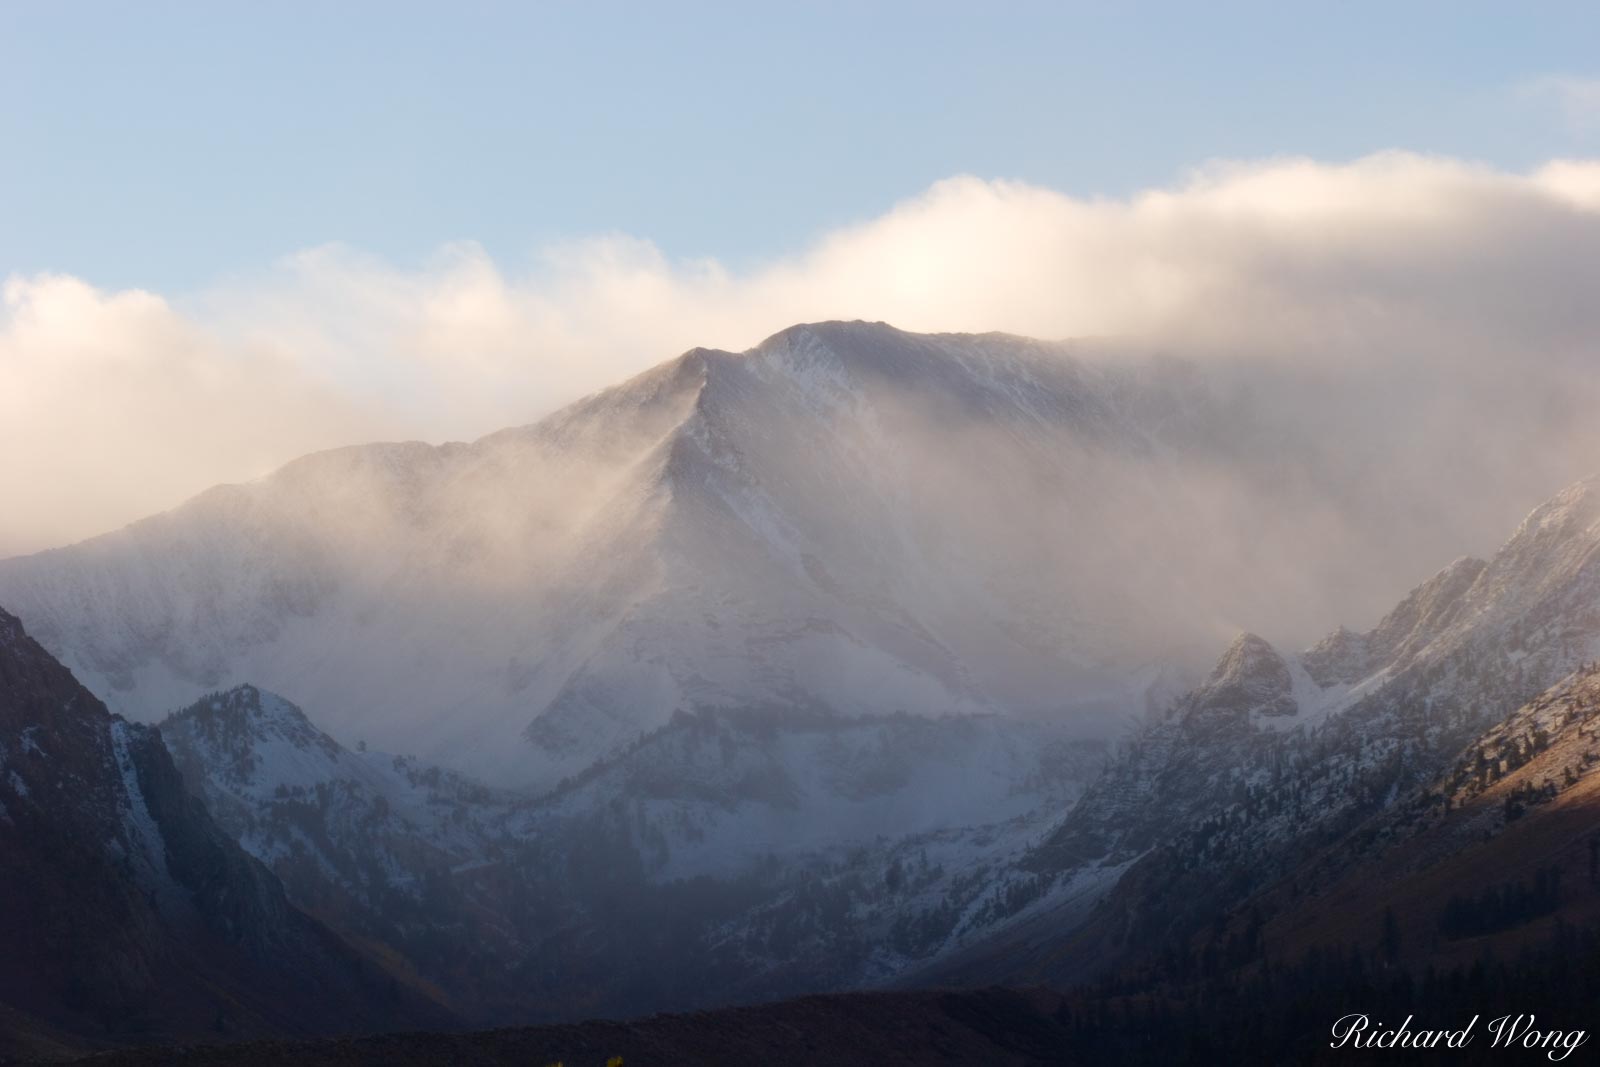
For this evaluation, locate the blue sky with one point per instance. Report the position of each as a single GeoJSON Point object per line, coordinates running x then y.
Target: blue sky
{"type": "Point", "coordinates": [168, 146]}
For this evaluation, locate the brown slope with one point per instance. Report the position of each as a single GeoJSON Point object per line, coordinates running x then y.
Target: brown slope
{"type": "Point", "coordinates": [1521, 802]}
{"type": "Point", "coordinates": [1520, 806]}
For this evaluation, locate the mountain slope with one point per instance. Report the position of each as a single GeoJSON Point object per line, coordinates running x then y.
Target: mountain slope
{"type": "Point", "coordinates": [1492, 855]}
{"type": "Point", "coordinates": [126, 914]}
{"type": "Point", "coordinates": [1273, 758]}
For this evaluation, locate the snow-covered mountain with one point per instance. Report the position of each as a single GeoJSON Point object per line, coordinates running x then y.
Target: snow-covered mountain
{"type": "Point", "coordinates": [847, 518]}
{"type": "Point", "coordinates": [1274, 757]}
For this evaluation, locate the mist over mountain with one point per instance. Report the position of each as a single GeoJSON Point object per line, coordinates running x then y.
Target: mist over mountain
{"type": "Point", "coordinates": [773, 851]}
{"type": "Point", "coordinates": [786, 732]}
{"type": "Point", "coordinates": [846, 518]}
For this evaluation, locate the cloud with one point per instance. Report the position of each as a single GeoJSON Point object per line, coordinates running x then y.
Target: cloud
{"type": "Point", "coordinates": [1576, 100]}
{"type": "Point", "coordinates": [1397, 268]}
{"type": "Point", "coordinates": [113, 405]}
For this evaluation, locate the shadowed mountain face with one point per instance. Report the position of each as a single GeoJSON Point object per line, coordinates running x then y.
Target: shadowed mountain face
{"type": "Point", "coordinates": [125, 913]}
{"type": "Point", "coordinates": [847, 519]}
{"type": "Point", "coordinates": [1252, 775]}
{"type": "Point", "coordinates": [769, 854]}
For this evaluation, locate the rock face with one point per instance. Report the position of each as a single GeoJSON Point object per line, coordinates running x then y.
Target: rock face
{"type": "Point", "coordinates": [1489, 855]}
{"type": "Point", "coordinates": [125, 912]}
{"type": "Point", "coordinates": [1168, 775]}
{"type": "Point", "coordinates": [382, 848]}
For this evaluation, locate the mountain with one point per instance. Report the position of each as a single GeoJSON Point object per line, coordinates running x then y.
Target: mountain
{"type": "Point", "coordinates": [127, 915]}
{"type": "Point", "coordinates": [389, 852]}
{"type": "Point", "coordinates": [1470, 892]}
{"type": "Point", "coordinates": [1475, 895]}
{"type": "Point", "coordinates": [1275, 758]}
{"type": "Point", "coordinates": [796, 670]}
{"type": "Point", "coordinates": [773, 853]}
{"type": "Point", "coordinates": [846, 518]}
{"type": "Point", "coordinates": [777, 850]}
{"type": "Point", "coordinates": [1494, 854]}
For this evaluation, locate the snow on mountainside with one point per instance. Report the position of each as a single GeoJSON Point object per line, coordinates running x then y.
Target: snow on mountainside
{"type": "Point", "coordinates": [262, 765]}
{"type": "Point", "coordinates": [714, 793]}
{"type": "Point", "coordinates": [846, 518]}
{"type": "Point", "coordinates": [792, 852]}
{"type": "Point", "coordinates": [1272, 759]}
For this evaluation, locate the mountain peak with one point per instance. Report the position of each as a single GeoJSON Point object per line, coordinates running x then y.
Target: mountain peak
{"type": "Point", "coordinates": [240, 723]}
{"type": "Point", "coordinates": [827, 329]}
{"type": "Point", "coordinates": [1247, 657]}
{"type": "Point", "coordinates": [1574, 512]}
{"type": "Point", "coordinates": [1251, 679]}
{"type": "Point", "coordinates": [247, 703]}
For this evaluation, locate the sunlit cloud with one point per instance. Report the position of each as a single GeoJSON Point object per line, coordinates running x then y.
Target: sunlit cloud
{"type": "Point", "coordinates": [117, 404]}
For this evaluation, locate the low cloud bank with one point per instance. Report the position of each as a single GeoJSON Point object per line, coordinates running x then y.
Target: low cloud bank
{"type": "Point", "coordinates": [1408, 304]}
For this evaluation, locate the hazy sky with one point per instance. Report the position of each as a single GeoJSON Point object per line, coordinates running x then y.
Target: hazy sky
{"type": "Point", "coordinates": [233, 233]}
